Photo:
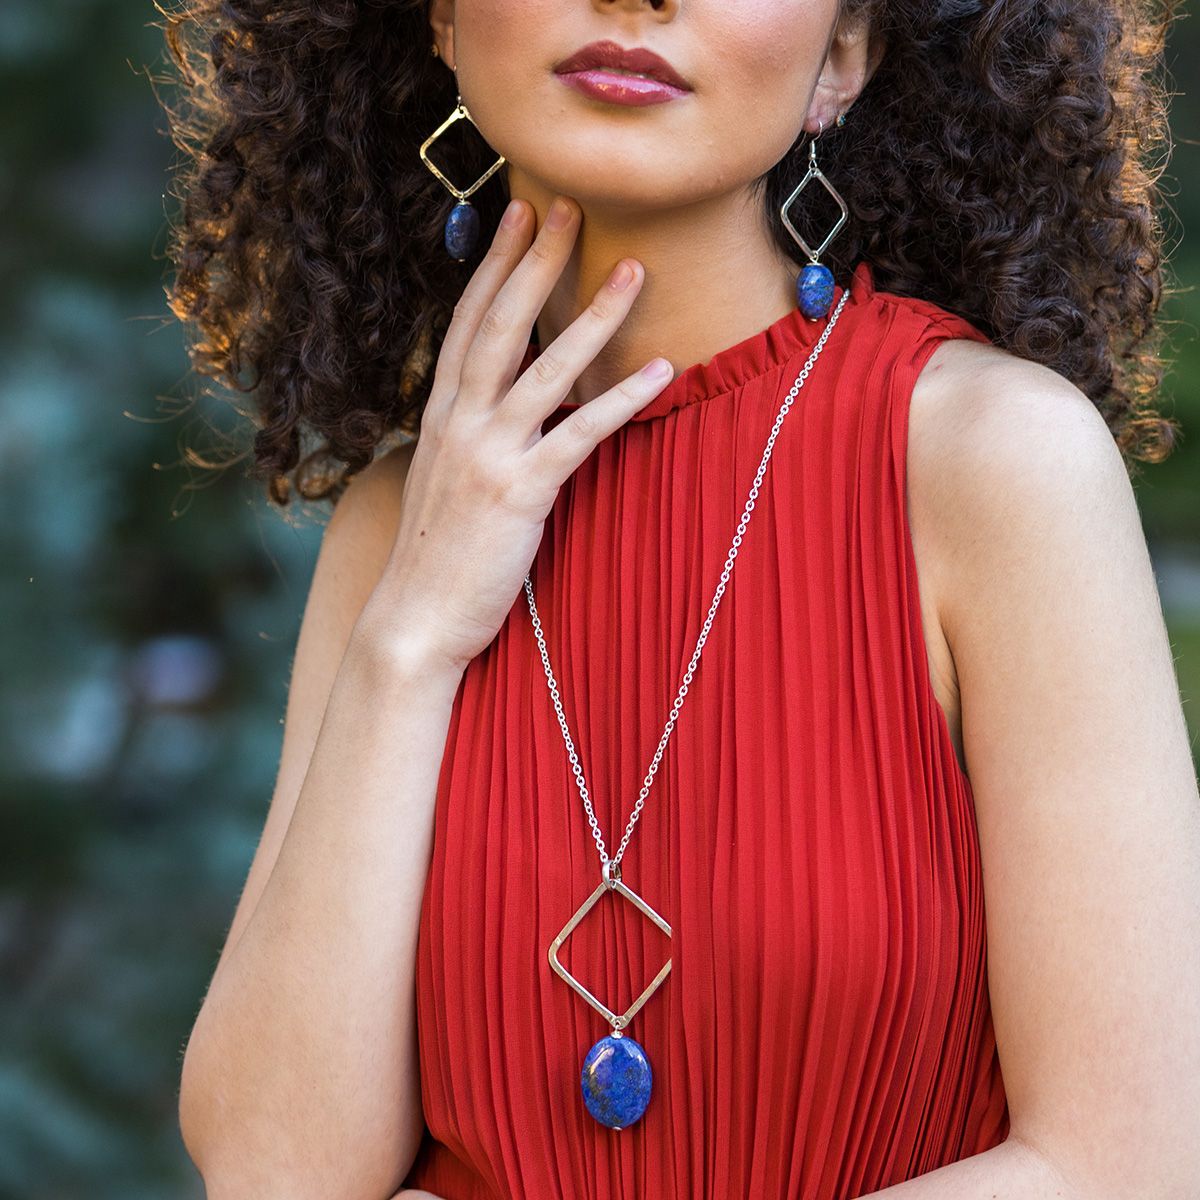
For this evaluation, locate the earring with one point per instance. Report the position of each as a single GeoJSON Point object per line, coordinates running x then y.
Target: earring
{"type": "Point", "coordinates": [814, 287]}
{"type": "Point", "coordinates": [462, 225]}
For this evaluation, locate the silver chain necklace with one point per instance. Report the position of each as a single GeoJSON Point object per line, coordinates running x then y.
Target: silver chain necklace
{"type": "Point", "coordinates": [616, 1077]}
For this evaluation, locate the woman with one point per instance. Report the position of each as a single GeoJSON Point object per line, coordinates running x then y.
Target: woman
{"type": "Point", "coordinates": [907, 903]}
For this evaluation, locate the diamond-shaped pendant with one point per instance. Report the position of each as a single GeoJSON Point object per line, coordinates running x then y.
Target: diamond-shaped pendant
{"type": "Point", "coordinates": [616, 1077]}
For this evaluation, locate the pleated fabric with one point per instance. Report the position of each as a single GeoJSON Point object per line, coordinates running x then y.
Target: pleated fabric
{"type": "Point", "coordinates": [825, 1029]}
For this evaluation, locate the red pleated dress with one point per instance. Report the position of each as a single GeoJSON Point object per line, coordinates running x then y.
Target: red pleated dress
{"type": "Point", "coordinates": [825, 1030]}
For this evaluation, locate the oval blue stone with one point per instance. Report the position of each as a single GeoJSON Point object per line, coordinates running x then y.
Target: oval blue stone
{"type": "Point", "coordinates": [814, 290]}
{"type": "Point", "coordinates": [616, 1081]}
{"type": "Point", "coordinates": [462, 231]}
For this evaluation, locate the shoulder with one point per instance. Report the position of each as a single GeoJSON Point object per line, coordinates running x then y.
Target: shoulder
{"type": "Point", "coordinates": [370, 504]}
{"type": "Point", "coordinates": [354, 552]}
{"type": "Point", "coordinates": [1010, 465]}
{"type": "Point", "coordinates": [355, 547]}
{"type": "Point", "coordinates": [368, 513]}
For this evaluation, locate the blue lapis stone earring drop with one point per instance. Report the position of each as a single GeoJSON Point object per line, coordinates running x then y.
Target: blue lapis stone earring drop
{"type": "Point", "coordinates": [461, 235]}
{"type": "Point", "coordinates": [462, 225]}
{"type": "Point", "coordinates": [814, 286]}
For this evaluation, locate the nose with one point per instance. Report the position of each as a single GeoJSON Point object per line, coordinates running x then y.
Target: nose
{"type": "Point", "coordinates": [634, 5]}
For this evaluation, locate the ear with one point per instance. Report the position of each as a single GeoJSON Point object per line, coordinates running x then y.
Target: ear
{"type": "Point", "coordinates": [441, 21]}
{"type": "Point", "coordinates": [855, 50]}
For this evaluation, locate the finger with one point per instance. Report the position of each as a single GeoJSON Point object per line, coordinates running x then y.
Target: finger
{"type": "Point", "coordinates": [550, 377]}
{"type": "Point", "coordinates": [509, 244]}
{"type": "Point", "coordinates": [558, 454]}
{"type": "Point", "coordinates": [502, 335]}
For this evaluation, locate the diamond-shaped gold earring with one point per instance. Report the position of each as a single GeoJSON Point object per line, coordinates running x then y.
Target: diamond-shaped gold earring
{"type": "Point", "coordinates": [462, 225]}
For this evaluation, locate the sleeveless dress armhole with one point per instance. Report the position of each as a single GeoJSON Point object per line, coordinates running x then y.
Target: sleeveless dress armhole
{"type": "Point", "coordinates": [941, 326]}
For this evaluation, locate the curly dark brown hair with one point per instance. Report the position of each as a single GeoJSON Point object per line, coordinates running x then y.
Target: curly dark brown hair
{"type": "Point", "coordinates": [1001, 162]}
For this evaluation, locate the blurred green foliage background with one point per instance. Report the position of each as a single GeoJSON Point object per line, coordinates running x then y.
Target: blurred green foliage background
{"type": "Point", "coordinates": [150, 609]}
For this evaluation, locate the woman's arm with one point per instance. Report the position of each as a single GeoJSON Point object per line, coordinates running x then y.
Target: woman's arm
{"type": "Point", "coordinates": [1084, 786]}
{"type": "Point", "coordinates": [301, 1076]}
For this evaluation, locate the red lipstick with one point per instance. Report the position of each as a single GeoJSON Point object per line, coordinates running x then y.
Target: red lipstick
{"type": "Point", "coordinates": [622, 75]}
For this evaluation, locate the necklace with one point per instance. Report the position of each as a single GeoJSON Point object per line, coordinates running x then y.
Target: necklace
{"type": "Point", "coordinates": [616, 1077]}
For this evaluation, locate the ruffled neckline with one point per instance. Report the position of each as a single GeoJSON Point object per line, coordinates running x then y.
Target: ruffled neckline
{"type": "Point", "coordinates": [738, 364]}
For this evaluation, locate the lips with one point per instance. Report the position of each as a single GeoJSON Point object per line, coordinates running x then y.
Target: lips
{"type": "Point", "coordinates": [610, 55]}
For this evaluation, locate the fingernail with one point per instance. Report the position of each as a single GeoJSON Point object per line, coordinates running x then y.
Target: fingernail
{"type": "Point", "coordinates": [622, 277]}
{"type": "Point", "coordinates": [657, 368]}
{"type": "Point", "coordinates": [512, 214]}
{"type": "Point", "coordinates": [559, 215]}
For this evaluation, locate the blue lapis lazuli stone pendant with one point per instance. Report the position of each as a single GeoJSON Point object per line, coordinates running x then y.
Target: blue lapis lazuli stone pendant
{"type": "Point", "coordinates": [616, 1079]}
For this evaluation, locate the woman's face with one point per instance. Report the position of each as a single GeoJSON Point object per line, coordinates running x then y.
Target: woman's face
{"type": "Point", "coordinates": [751, 67]}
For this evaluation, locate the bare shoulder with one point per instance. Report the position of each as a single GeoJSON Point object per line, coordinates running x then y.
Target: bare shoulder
{"type": "Point", "coordinates": [355, 546]}
{"type": "Point", "coordinates": [974, 396]}
{"type": "Point", "coordinates": [371, 502]}
{"type": "Point", "coordinates": [1000, 449]}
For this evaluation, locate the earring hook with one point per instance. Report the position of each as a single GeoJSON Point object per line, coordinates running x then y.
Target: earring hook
{"type": "Point", "coordinates": [812, 144]}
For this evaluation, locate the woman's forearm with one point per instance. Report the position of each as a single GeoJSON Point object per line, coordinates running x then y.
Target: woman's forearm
{"type": "Point", "coordinates": [301, 1076]}
{"type": "Point", "coordinates": [1009, 1171]}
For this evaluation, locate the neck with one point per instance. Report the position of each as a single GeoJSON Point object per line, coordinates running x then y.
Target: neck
{"type": "Point", "coordinates": [714, 276]}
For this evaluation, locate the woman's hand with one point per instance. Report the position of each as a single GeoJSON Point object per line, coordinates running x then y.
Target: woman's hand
{"type": "Point", "coordinates": [483, 477]}
{"type": "Point", "coordinates": [413, 1194]}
